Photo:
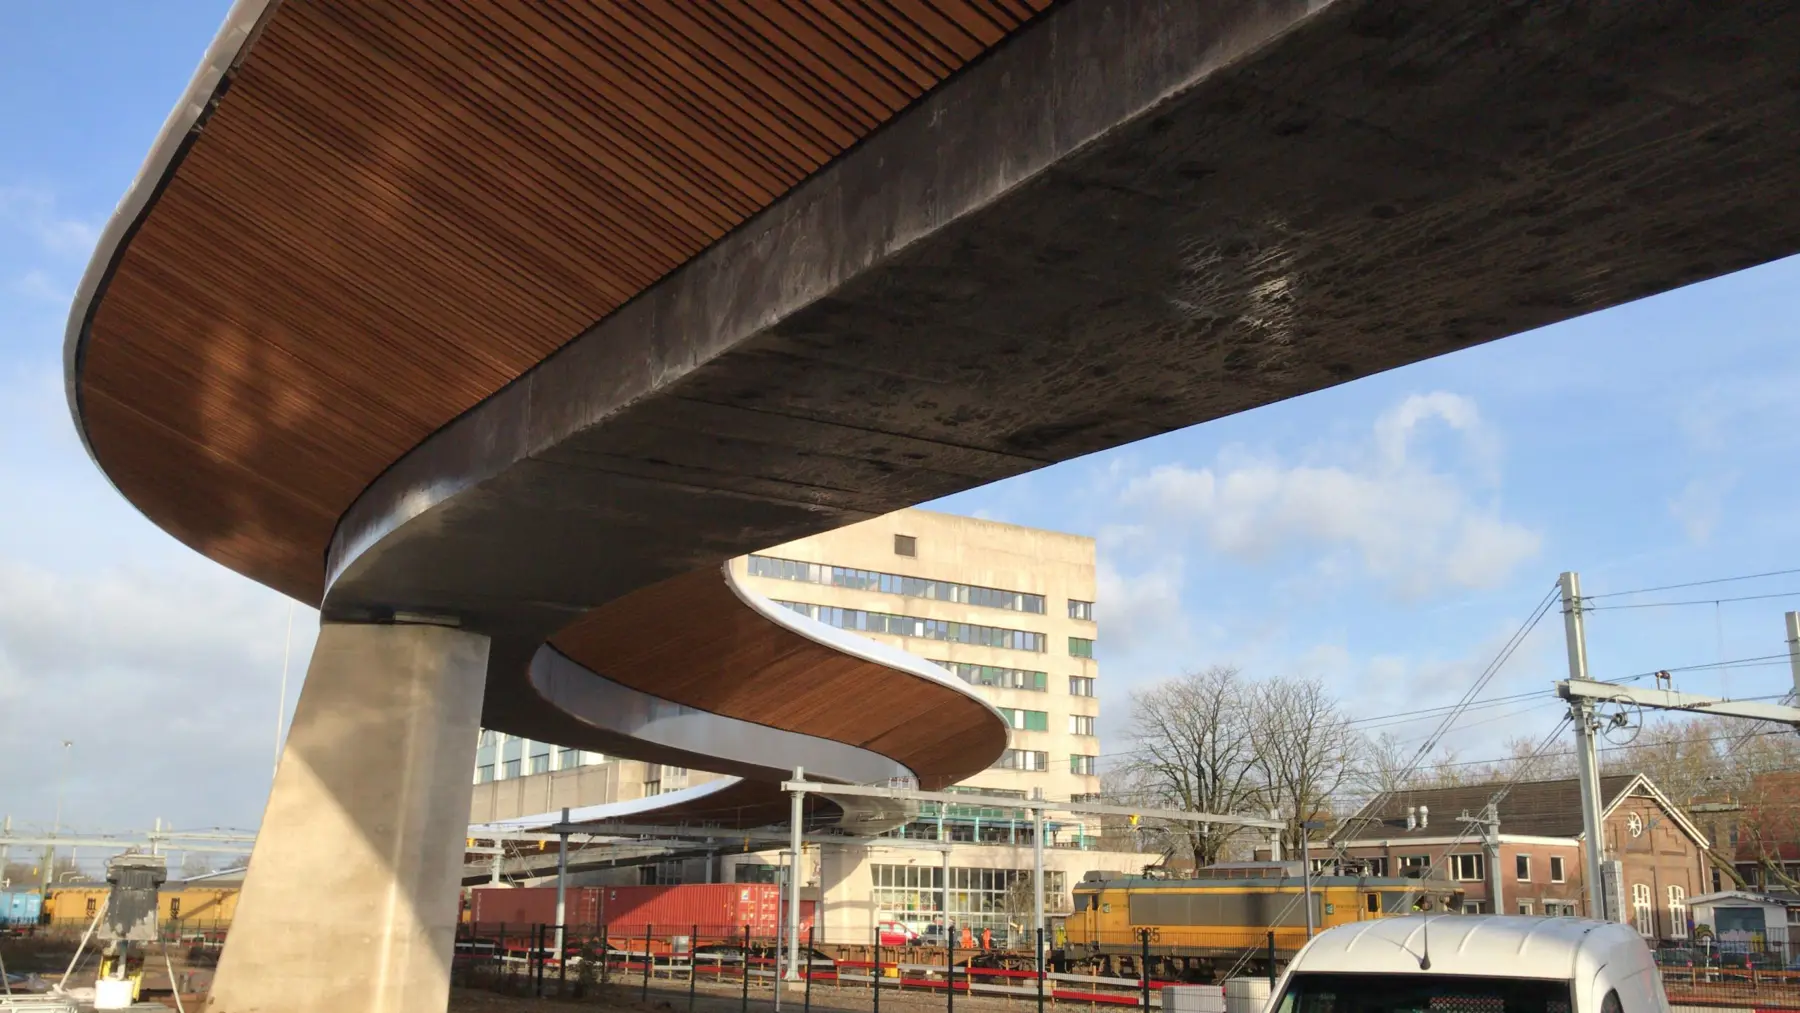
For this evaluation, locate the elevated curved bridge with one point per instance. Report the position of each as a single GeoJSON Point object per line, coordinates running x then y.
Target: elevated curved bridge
{"type": "Point", "coordinates": [493, 329]}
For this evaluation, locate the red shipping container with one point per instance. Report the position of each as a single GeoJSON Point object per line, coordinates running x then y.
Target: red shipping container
{"type": "Point", "coordinates": [715, 907]}
{"type": "Point", "coordinates": [533, 905]}
{"type": "Point", "coordinates": [718, 908]}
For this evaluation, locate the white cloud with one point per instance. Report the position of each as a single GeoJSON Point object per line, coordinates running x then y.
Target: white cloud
{"type": "Point", "coordinates": [167, 678]}
{"type": "Point", "coordinates": [34, 212]}
{"type": "Point", "coordinates": [1413, 526]}
{"type": "Point", "coordinates": [1700, 506]}
{"type": "Point", "coordinates": [37, 284]}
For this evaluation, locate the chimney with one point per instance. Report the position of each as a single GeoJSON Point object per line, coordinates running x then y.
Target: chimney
{"type": "Point", "coordinates": [1412, 819]}
{"type": "Point", "coordinates": [1424, 817]}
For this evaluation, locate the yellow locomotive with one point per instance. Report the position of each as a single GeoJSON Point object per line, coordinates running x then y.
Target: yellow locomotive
{"type": "Point", "coordinates": [1195, 924]}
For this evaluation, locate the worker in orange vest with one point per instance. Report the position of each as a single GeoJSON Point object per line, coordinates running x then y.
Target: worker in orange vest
{"type": "Point", "coordinates": [968, 938]}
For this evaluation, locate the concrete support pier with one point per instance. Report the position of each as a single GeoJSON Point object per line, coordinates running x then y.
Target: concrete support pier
{"type": "Point", "coordinates": [350, 903]}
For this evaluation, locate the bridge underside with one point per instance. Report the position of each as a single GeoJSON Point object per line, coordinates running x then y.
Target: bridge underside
{"type": "Point", "coordinates": [503, 340]}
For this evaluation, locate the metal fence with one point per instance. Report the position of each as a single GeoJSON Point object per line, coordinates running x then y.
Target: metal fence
{"type": "Point", "coordinates": [715, 961]}
{"type": "Point", "coordinates": [1759, 974]}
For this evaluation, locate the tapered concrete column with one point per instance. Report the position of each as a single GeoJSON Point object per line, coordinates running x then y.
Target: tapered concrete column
{"type": "Point", "coordinates": [350, 904]}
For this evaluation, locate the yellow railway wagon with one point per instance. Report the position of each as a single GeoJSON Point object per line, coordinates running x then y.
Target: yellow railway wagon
{"type": "Point", "coordinates": [1210, 918]}
{"type": "Point", "coordinates": [199, 907]}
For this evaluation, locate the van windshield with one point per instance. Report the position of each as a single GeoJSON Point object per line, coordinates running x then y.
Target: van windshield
{"type": "Point", "coordinates": [1421, 993]}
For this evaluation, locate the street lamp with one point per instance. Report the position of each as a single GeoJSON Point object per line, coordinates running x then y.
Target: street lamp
{"type": "Point", "coordinates": [1306, 829]}
{"type": "Point", "coordinates": [62, 781]}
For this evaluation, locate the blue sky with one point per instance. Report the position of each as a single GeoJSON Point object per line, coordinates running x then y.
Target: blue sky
{"type": "Point", "coordinates": [1386, 536]}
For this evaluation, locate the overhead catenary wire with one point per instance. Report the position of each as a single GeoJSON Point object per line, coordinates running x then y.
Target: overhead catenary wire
{"type": "Point", "coordinates": [1691, 583]}
{"type": "Point", "coordinates": [1694, 601]}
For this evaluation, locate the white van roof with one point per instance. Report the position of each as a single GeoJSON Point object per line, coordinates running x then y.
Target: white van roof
{"type": "Point", "coordinates": [1496, 946]}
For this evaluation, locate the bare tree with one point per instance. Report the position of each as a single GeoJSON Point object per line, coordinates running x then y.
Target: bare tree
{"type": "Point", "coordinates": [1196, 749]}
{"type": "Point", "coordinates": [1306, 750]}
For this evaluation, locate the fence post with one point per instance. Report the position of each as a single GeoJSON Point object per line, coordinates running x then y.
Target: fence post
{"type": "Point", "coordinates": [605, 957]}
{"type": "Point", "coordinates": [644, 994]}
{"type": "Point", "coordinates": [806, 1002]}
{"type": "Point", "coordinates": [537, 956]}
{"type": "Point", "coordinates": [877, 979]}
{"type": "Point", "coordinates": [1040, 969]}
{"type": "Point", "coordinates": [693, 960]}
{"type": "Point", "coordinates": [1144, 966]}
{"type": "Point", "coordinates": [1271, 960]}
{"type": "Point", "coordinates": [950, 970]}
{"type": "Point", "coordinates": [562, 962]}
{"type": "Point", "coordinates": [500, 957]}
{"type": "Point", "coordinates": [744, 1007]}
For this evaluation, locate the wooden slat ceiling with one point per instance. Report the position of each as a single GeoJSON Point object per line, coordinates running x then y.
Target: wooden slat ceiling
{"type": "Point", "coordinates": [690, 640]}
{"type": "Point", "coordinates": [398, 207]}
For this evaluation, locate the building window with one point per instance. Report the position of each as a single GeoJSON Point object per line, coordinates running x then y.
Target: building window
{"type": "Point", "coordinates": [1026, 721]}
{"type": "Point", "coordinates": [776, 568]}
{"type": "Point", "coordinates": [540, 763]}
{"type": "Point", "coordinates": [1522, 868]}
{"type": "Point", "coordinates": [1469, 868]}
{"type": "Point", "coordinates": [1081, 647]}
{"type": "Point", "coordinates": [1641, 914]}
{"type": "Point", "coordinates": [1420, 864]}
{"type": "Point", "coordinates": [1081, 724]}
{"type": "Point", "coordinates": [1556, 868]}
{"type": "Point", "coordinates": [1677, 913]}
{"type": "Point", "coordinates": [484, 773]}
{"type": "Point", "coordinates": [1081, 685]}
{"type": "Point", "coordinates": [1558, 909]}
{"type": "Point", "coordinates": [1524, 907]}
{"type": "Point", "coordinates": [1023, 759]}
{"type": "Point", "coordinates": [1081, 610]}
{"type": "Point", "coordinates": [568, 759]}
{"type": "Point", "coordinates": [1378, 867]}
{"type": "Point", "coordinates": [510, 769]}
{"type": "Point", "coordinates": [993, 675]}
{"type": "Point", "coordinates": [1471, 907]}
{"type": "Point", "coordinates": [1082, 764]}
{"type": "Point", "coordinates": [906, 545]}
{"type": "Point", "coordinates": [929, 629]}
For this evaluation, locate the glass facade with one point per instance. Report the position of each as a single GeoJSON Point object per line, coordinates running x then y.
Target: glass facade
{"type": "Point", "coordinates": [1023, 759]}
{"type": "Point", "coordinates": [993, 899]}
{"type": "Point", "coordinates": [895, 583]}
{"type": "Point", "coordinates": [929, 629]}
{"type": "Point", "coordinates": [1026, 721]}
{"type": "Point", "coordinates": [499, 756]}
{"type": "Point", "coordinates": [999, 678]}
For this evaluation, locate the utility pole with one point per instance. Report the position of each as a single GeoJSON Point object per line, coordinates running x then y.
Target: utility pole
{"type": "Point", "coordinates": [1037, 876]}
{"type": "Point", "coordinates": [1306, 829]}
{"type": "Point", "coordinates": [562, 880]}
{"type": "Point", "coordinates": [62, 782]}
{"type": "Point", "coordinates": [1490, 843]}
{"type": "Point", "coordinates": [1587, 756]}
{"type": "Point", "coordinates": [1793, 642]}
{"type": "Point", "coordinates": [797, 819]}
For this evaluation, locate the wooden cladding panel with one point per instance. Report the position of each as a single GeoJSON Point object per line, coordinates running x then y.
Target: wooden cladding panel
{"type": "Point", "coordinates": [398, 207]}
{"type": "Point", "coordinates": [691, 640]}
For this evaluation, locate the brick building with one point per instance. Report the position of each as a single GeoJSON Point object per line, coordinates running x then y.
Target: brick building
{"type": "Point", "coordinates": [1540, 848]}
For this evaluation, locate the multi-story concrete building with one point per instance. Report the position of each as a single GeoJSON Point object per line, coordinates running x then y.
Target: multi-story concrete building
{"type": "Point", "coordinates": [1008, 609]}
{"type": "Point", "coordinates": [1011, 610]}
